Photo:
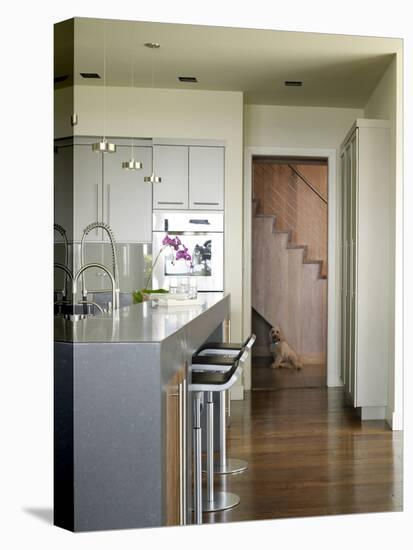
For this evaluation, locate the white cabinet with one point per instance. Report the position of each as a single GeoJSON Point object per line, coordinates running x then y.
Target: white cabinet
{"type": "Point", "coordinates": [127, 199]}
{"type": "Point", "coordinates": [92, 186]}
{"type": "Point", "coordinates": [206, 178]}
{"type": "Point", "coordinates": [87, 191]}
{"type": "Point", "coordinates": [192, 177]}
{"type": "Point", "coordinates": [63, 190]}
{"type": "Point", "coordinates": [365, 191]}
{"type": "Point", "coordinates": [171, 164]}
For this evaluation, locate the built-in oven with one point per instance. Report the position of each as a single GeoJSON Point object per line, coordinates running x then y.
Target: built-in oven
{"type": "Point", "coordinates": [203, 234]}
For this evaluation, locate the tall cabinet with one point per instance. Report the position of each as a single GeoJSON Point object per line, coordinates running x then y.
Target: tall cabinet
{"type": "Point", "coordinates": [365, 192]}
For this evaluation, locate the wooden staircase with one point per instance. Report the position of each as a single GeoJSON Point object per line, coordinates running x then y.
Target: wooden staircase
{"type": "Point", "coordinates": [289, 289]}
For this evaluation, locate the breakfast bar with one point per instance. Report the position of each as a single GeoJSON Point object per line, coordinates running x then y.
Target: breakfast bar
{"type": "Point", "coordinates": [122, 418]}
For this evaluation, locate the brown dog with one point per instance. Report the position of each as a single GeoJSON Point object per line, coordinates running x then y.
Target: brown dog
{"type": "Point", "coordinates": [284, 356]}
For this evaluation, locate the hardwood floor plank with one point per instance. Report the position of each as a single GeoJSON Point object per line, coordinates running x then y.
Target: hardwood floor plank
{"type": "Point", "coordinates": [309, 455]}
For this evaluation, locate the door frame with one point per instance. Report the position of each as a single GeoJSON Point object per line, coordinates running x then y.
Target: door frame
{"type": "Point", "coordinates": [333, 275]}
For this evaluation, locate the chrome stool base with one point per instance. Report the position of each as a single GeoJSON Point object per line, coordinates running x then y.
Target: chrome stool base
{"type": "Point", "coordinates": [222, 501]}
{"type": "Point", "coordinates": [231, 466]}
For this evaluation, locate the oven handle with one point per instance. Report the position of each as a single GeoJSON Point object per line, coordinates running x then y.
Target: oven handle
{"type": "Point", "coordinates": [189, 233]}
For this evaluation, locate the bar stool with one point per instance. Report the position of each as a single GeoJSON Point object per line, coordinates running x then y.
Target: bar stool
{"type": "Point", "coordinates": [211, 375]}
{"type": "Point", "coordinates": [227, 465]}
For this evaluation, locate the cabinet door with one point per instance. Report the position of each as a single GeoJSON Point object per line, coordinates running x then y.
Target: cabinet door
{"type": "Point", "coordinates": [63, 191]}
{"type": "Point", "coordinates": [171, 164]}
{"type": "Point", "coordinates": [87, 188]}
{"type": "Point", "coordinates": [127, 199]}
{"type": "Point", "coordinates": [353, 266]}
{"type": "Point", "coordinates": [349, 334]}
{"type": "Point", "coordinates": [343, 368]}
{"type": "Point", "coordinates": [176, 449]}
{"type": "Point", "coordinates": [206, 178]}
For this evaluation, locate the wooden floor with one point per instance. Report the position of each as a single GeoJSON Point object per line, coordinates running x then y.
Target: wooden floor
{"type": "Point", "coordinates": [309, 455]}
{"type": "Point", "coordinates": [264, 377]}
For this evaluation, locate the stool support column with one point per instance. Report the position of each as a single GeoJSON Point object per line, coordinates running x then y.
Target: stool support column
{"type": "Point", "coordinates": [198, 458]}
{"type": "Point", "coordinates": [210, 447]}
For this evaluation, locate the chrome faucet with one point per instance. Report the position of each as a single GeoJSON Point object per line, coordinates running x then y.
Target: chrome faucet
{"type": "Point", "coordinates": [99, 266]}
{"type": "Point", "coordinates": [57, 227]}
{"type": "Point", "coordinates": [115, 270]}
{"type": "Point", "coordinates": [68, 273]}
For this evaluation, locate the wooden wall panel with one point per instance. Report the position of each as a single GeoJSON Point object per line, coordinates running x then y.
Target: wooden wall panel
{"type": "Point", "coordinates": [286, 291]}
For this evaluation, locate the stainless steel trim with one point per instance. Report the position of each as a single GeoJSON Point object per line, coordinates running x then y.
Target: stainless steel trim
{"type": "Point", "coordinates": [184, 452]}
{"type": "Point", "coordinates": [181, 456]}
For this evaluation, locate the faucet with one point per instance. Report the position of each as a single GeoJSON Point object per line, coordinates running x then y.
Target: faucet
{"type": "Point", "coordinates": [99, 266]}
{"type": "Point", "coordinates": [62, 232]}
{"type": "Point", "coordinates": [115, 270]}
{"type": "Point", "coordinates": [68, 273]}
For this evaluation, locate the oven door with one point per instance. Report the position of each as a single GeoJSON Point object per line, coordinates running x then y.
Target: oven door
{"type": "Point", "coordinates": [207, 252]}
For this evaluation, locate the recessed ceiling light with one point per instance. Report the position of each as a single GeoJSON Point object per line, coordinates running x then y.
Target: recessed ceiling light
{"type": "Point", "coordinates": [89, 75]}
{"type": "Point", "coordinates": [187, 79]}
{"type": "Point", "coordinates": [152, 45]}
{"type": "Point", "coordinates": [293, 83]}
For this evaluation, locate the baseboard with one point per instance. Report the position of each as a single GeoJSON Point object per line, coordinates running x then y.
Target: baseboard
{"type": "Point", "coordinates": [372, 413]}
{"type": "Point", "coordinates": [394, 420]}
{"type": "Point", "coordinates": [237, 393]}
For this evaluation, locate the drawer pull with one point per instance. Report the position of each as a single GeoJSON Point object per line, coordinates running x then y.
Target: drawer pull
{"type": "Point", "coordinates": [169, 202]}
{"type": "Point", "coordinates": [208, 203]}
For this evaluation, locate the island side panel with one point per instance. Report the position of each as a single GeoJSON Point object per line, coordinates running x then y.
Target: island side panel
{"type": "Point", "coordinates": [63, 492]}
{"type": "Point", "coordinates": [117, 436]}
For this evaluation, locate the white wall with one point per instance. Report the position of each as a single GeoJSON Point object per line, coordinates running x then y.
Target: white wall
{"type": "Point", "coordinates": [164, 113]}
{"type": "Point", "coordinates": [386, 102]}
{"type": "Point", "coordinates": [281, 126]}
{"type": "Point", "coordinates": [312, 130]}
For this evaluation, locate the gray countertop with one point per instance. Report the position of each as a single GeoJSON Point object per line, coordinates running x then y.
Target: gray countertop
{"type": "Point", "coordinates": [136, 323]}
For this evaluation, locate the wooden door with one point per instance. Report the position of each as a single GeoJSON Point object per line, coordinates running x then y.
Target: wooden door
{"type": "Point", "coordinates": [206, 178]}
{"type": "Point", "coordinates": [176, 449]}
{"type": "Point", "coordinates": [127, 198]}
{"type": "Point", "coordinates": [171, 164]}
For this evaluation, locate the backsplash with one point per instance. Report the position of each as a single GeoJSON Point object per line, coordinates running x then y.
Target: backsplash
{"type": "Point", "coordinates": [134, 261]}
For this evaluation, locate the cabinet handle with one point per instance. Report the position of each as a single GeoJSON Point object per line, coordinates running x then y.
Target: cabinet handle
{"type": "Point", "coordinates": [207, 203]}
{"type": "Point", "coordinates": [108, 216]}
{"type": "Point", "coordinates": [169, 202]}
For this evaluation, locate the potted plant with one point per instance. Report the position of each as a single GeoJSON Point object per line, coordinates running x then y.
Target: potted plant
{"type": "Point", "coordinates": [179, 252]}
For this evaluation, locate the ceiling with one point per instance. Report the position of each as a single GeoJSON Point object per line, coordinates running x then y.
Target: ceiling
{"type": "Point", "coordinates": [336, 70]}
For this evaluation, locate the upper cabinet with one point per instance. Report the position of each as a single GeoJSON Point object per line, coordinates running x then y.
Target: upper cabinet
{"type": "Point", "coordinates": [87, 191]}
{"type": "Point", "coordinates": [92, 187]}
{"type": "Point", "coordinates": [171, 164]}
{"type": "Point", "coordinates": [206, 178]}
{"type": "Point", "coordinates": [127, 199]}
{"type": "Point", "coordinates": [192, 177]}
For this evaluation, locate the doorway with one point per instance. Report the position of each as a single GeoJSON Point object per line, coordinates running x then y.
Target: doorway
{"type": "Point", "coordinates": [289, 271]}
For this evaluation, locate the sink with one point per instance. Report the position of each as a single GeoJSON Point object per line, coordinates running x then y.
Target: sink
{"type": "Point", "coordinates": [70, 310]}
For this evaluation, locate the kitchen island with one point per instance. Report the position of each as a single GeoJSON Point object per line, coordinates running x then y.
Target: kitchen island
{"type": "Point", "coordinates": [122, 417]}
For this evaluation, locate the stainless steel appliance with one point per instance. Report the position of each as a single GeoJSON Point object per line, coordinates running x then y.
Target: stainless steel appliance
{"type": "Point", "coordinates": [203, 234]}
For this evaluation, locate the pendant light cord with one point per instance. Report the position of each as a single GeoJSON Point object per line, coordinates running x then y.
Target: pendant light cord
{"type": "Point", "coordinates": [133, 87]}
{"type": "Point", "coordinates": [104, 79]}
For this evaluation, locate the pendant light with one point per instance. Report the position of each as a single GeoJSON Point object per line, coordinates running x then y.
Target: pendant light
{"type": "Point", "coordinates": [152, 178]}
{"type": "Point", "coordinates": [132, 164]}
{"type": "Point", "coordinates": [104, 146]}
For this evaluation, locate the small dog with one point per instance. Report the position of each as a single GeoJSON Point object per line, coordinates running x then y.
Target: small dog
{"type": "Point", "coordinates": [284, 356]}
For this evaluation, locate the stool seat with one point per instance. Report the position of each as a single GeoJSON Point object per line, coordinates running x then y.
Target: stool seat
{"type": "Point", "coordinates": [228, 346]}
{"type": "Point", "coordinates": [216, 377]}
